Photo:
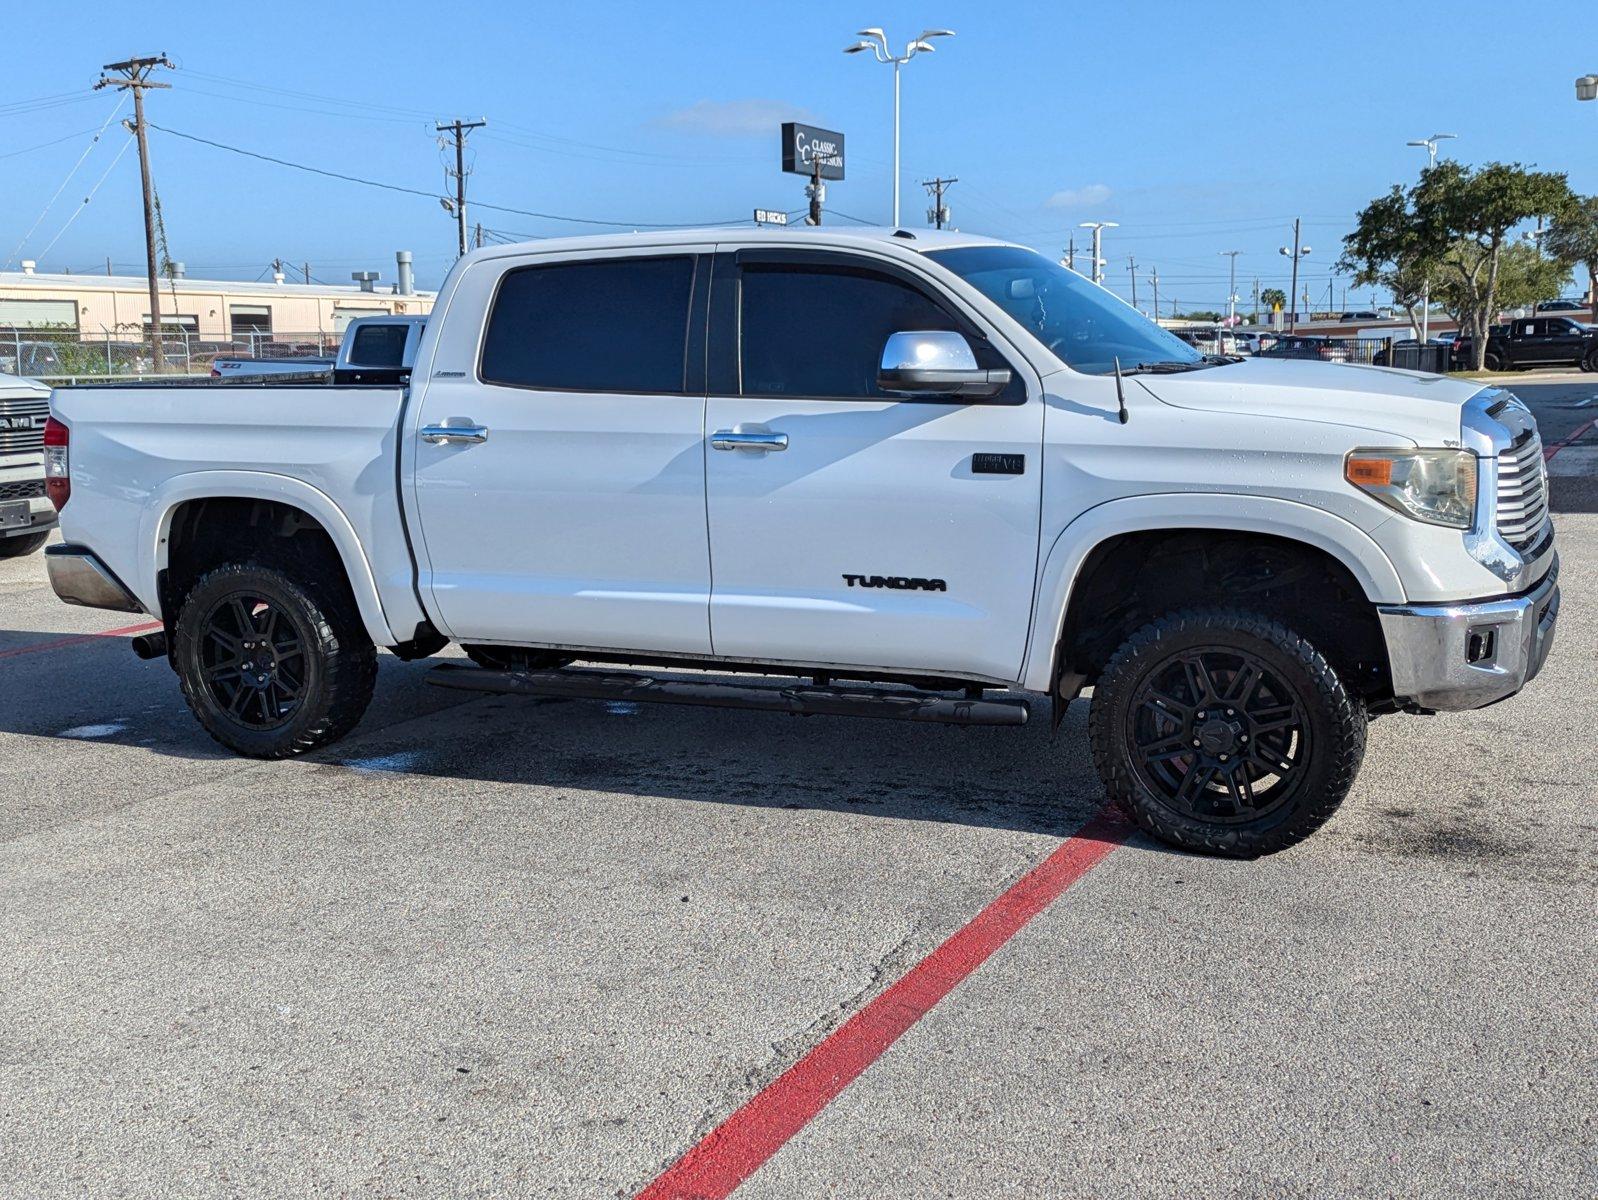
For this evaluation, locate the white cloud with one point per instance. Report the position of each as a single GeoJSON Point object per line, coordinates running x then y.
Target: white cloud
{"type": "Point", "coordinates": [1080, 197]}
{"type": "Point", "coordinates": [734, 118]}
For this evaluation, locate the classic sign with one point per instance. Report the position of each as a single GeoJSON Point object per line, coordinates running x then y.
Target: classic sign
{"type": "Point", "coordinates": [803, 146]}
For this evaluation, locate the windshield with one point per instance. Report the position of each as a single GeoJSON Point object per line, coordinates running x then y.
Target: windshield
{"type": "Point", "coordinates": [1083, 325]}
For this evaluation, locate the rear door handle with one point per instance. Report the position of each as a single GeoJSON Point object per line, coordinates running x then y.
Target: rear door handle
{"type": "Point", "coordinates": [727, 439]}
{"type": "Point", "coordinates": [456, 429]}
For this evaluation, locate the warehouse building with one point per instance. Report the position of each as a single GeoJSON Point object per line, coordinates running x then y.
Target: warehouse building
{"type": "Point", "coordinates": [95, 306]}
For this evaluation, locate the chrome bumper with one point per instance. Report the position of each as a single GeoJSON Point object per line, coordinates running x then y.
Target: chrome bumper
{"type": "Point", "coordinates": [78, 577]}
{"type": "Point", "coordinates": [1446, 657]}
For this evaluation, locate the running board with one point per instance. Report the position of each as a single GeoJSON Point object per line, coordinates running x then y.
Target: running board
{"type": "Point", "coordinates": [799, 699]}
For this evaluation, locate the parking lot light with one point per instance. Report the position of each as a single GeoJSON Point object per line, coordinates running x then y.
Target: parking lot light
{"type": "Point", "coordinates": [1587, 87]}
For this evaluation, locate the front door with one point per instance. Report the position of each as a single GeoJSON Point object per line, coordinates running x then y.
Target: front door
{"type": "Point", "coordinates": [559, 454]}
{"type": "Point", "coordinates": [849, 526]}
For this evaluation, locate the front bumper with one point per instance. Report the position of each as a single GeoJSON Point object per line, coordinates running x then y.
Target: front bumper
{"type": "Point", "coordinates": [79, 577]}
{"type": "Point", "coordinates": [1446, 657]}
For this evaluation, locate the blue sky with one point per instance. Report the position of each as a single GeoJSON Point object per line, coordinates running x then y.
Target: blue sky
{"type": "Point", "coordinates": [1198, 130]}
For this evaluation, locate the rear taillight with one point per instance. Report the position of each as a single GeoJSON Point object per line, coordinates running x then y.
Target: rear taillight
{"type": "Point", "coordinates": [57, 463]}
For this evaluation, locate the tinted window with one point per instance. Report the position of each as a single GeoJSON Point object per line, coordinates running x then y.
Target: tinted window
{"type": "Point", "coordinates": [819, 331]}
{"type": "Point", "coordinates": [379, 345]}
{"type": "Point", "coordinates": [1082, 324]}
{"type": "Point", "coordinates": [618, 325]}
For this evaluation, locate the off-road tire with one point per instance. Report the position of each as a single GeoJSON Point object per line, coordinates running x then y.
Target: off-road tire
{"type": "Point", "coordinates": [339, 667]}
{"type": "Point", "coordinates": [21, 547]}
{"type": "Point", "coordinates": [1335, 726]}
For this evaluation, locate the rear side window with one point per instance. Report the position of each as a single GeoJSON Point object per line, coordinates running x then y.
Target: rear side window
{"type": "Point", "coordinates": [616, 325]}
{"type": "Point", "coordinates": [379, 345]}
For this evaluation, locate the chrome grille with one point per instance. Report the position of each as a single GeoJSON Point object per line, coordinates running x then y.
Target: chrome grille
{"type": "Point", "coordinates": [1522, 490]}
{"type": "Point", "coordinates": [22, 424]}
{"type": "Point", "coordinates": [32, 489]}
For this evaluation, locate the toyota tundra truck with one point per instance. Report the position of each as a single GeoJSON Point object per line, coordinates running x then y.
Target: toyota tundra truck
{"type": "Point", "coordinates": [921, 476]}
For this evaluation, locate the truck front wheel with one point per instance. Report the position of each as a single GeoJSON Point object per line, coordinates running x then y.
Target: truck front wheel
{"type": "Point", "coordinates": [270, 665]}
{"type": "Point", "coordinates": [1223, 731]}
{"type": "Point", "coordinates": [1590, 363]}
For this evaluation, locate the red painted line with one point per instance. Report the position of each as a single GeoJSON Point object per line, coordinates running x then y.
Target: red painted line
{"type": "Point", "coordinates": [78, 639]}
{"type": "Point", "coordinates": [1550, 451]}
{"type": "Point", "coordinates": [736, 1148]}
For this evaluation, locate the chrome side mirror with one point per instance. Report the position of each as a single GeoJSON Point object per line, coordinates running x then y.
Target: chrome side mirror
{"type": "Point", "coordinates": [935, 363]}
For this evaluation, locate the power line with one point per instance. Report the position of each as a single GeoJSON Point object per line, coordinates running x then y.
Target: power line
{"type": "Point", "coordinates": [77, 212]}
{"type": "Point", "coordinates": [56, 195]}
{"type": "Point", "coordinates": [410, 191]}
{"type": "Point", "coordinates": [53, 142]}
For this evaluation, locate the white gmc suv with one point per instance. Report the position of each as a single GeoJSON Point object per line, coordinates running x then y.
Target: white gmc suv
{"type": "Point", "coordinates": [919, 474]}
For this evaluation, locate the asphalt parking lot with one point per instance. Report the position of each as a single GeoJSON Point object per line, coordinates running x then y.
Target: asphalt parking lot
{"type": "Point", "coordinates": [494, 947]}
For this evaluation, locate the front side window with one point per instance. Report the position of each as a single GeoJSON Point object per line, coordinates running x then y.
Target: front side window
{"type": "Point", "coordinates": [611, 325]}
{"type": "Point", "coordinates": [1079, 322]}
{"type": "Point", "coordinates": [818, 331]}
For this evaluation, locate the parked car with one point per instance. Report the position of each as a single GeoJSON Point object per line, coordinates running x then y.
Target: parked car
{"type": "Point", "coordinates": [1362, 315]}
{"type": "Point", "coordinates": [927, 476]}
{"type": "Point", "coordinates": [1534, 342]}
{"type": "Point", "coordinates": [1307, 346]}
{"type": "Point", "coordinates": [1554, 306]}
{"type": "Point", "coordinates": [26, 514]}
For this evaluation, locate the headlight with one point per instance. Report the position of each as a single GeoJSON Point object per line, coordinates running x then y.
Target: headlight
{"type": "Point", "coordinates": [1435, 486]}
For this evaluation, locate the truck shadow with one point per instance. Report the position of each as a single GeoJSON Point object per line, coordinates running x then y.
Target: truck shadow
{"type": "Point", "coordinates": [421, 745]}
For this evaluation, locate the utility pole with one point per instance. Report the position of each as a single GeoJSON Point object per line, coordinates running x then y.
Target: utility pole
{"type": "Point", "coordinates": [458, 129]}
{"type": "Point", "coordinates": [1256, 308]}
{"type": "Point", "coordinates": [1098, 228]}
{"type": "Point", "coordinates": [1070, 253]}
{"type": "Point", "coordinates": [134, 75]}
{"type": "Point", "coordinates": [1298, 252]}
{"type": "Point", "coordinates": [1131, 269]}
{"type": "Point", "coordinates": [1154, 274]}
{"type": "Point", "coordinates": [816, 192]}
{"type": "Point", "coordinates": [479, 238]}
{"type": "Point", "coordinates": [938, 214]}
{"type": "Point", "coordinates": [305, 269]}
{"type": "Point", "coordinates": [1231, 289]}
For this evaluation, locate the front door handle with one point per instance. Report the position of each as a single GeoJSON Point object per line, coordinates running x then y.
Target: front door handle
{"type": "Point", "coordinates": [456, 429]}
{"type": "Point", "coordinates": [729, 439]}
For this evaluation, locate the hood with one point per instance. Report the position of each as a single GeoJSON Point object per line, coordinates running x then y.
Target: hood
{"type": "Point", "coordinates": [1424, 408]}
{"type": "Point", "coordinates": [14, 387]}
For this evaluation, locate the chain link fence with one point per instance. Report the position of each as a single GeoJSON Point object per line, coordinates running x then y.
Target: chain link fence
{"type": "Point", "coordinates": [58, 357]}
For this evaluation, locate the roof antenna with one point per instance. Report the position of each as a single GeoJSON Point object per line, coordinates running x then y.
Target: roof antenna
{"type": "Point", "coordinates": [1120, 392]}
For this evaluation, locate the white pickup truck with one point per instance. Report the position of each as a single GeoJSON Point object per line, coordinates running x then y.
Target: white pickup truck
{"type": "Point", "coordinates": [920, 475]}
{"type": "Point", "coordinates": [26, 517]}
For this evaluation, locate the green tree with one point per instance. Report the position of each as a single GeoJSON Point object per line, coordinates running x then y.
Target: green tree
{"type": "Point", "coordinates": [1272, 297]}
{"type": "Point", "coordinates": [1573, 239]}
{"type": "Point", "coordinates": [1407, 237]}
{"type": "Point", "coordinates": [1525, 276]}
{"type": "Point", "coordinates": [1387, 250]}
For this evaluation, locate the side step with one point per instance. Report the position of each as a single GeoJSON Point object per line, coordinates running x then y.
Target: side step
{"type": "Point", "coordinates": [800, 699]}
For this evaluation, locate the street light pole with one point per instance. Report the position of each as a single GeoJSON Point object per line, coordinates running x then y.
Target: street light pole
{"type": "Point", "coordinates": [1231, 289]}
{"type": "Point", "coordinates": [1098, 228]}
{"type": "Point", "coordinates": [1295, 254]}
{"type": "Point", "coordinates": [1426, 288]}
{"type": "Point", "coordinates": [877, 43]}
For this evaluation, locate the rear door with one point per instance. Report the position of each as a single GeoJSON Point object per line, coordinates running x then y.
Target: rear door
{"type": "Point", "coordinates": [1566, 340]}
{"type": "Point", "coordinates": [559, 474]}
{"type": "Point", "coordinates": [885, 531]}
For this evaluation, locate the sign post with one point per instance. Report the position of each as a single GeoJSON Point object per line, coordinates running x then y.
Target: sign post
{"type": "Point", "coordinates": [817, 153]}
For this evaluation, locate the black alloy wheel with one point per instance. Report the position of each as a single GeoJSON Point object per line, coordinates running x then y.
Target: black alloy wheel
{"type": "Point", "coordinates": [253, 660]}
{"type": "Point", "coordinates": [1216, 735]}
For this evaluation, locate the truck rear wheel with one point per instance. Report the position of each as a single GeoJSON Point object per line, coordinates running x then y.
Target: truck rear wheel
{"type": "Point", "coordinates": [1493, 362]}
{"type": "Point", "coordinates": [1223, 731]}
{"type": "Point", "coordinates": [20, 547]}
{"type": "Point", "coordinates": [273, 666]}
